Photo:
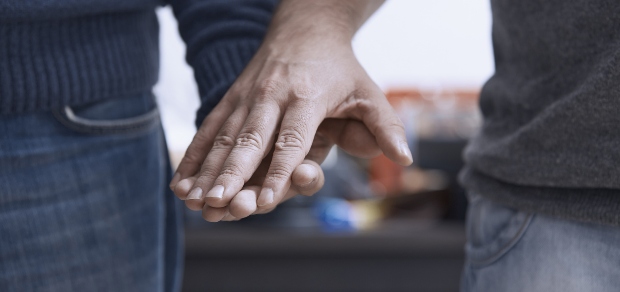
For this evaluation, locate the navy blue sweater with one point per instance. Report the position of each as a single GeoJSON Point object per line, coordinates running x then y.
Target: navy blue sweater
{"type": "Point", "coordinates": [68, 52]}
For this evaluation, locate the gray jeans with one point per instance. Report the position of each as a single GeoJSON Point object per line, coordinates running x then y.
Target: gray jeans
{"type": "Point", "coordinates": [508, 250]}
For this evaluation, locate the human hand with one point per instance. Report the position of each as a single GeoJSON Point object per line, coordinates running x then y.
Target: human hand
{"type": "Point", "coordinates": [304, 72]}
{"type": "Point", "coordinates": [352, 136]}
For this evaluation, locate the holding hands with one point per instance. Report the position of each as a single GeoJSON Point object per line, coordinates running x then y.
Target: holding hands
{"type": "Point", "coordinates": [303, 92]}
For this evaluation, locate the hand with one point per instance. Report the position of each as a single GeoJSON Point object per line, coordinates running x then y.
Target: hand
{"type": "Point", "coordinates": [304, 72]}
{"type": "Point", "coordinates": [307, 178]}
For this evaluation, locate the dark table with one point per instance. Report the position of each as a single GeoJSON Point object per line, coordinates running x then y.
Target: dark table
{"type": "Point", "coordinates": [398, 255]}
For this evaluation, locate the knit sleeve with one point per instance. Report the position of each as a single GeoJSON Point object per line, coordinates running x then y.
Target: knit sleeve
{"type": "Point", "coordinates": [221, 37]}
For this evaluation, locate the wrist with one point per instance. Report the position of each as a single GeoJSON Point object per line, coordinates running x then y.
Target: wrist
{"type": "Point", "coordinates": [319, 20]}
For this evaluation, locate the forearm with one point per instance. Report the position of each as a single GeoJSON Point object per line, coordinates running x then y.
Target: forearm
{"type": "Point", "coordinates": [328, 20]}
{"type": "Point", "coordinates": [304, 73]}
{"type": "Point", "coordinates": [221, 36]}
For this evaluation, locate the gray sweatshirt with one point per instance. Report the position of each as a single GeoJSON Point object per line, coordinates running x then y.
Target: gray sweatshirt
{"type": "Point", "coordinates": [550, 141]}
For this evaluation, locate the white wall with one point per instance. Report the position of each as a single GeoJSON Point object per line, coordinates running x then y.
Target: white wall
{"type": "Point", "coordinates": [406, 43]}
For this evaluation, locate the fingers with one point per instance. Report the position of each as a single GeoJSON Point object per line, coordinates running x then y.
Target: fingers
{"type": "Point", "coordinates": [230, 218]}
{"type": "Point", "coordinates": [184, 187]}
{"type": "Point", "coordinates": [296, 132]}
{"type": "Point", "coordinates": [222, 145]}
{"type": "Point", "coordinates": [307, 178]}
{"type": "Point", "coordinates": [252, 143]}
{"type": "Point", "coordinates": [382, 121]}
{"type": "Point", "coordinates": [195, 205]}
{"type": "Point", "coordinates": [200, 146]}
{"type": "Point", "coordinates": [212, 214]}
{"type": "Point", "coordinates": [350, 135]}
{"type": "Point", "coordinates": [244, 203]}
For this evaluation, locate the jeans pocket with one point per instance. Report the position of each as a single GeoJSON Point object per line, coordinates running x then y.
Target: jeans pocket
{"type": "Point", "coordinates": [492, 230]}
{"type": "Point", "coordinates": [111, 116]}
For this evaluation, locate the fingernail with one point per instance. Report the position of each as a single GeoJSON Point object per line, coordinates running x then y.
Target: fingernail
{"type": "Point", "coordinates": [265, 198]}
{"type": "Point", "coordinates": [175, 180]}
{"type": "Point", "coordinates": [304, 175]}
{"type": "Point", "coordinates": [404, 150]}
{"type": "Point", "coordinates": [195, 194]}
{"type": "Point", "coordinates": [216, 192]}
{"type": "Point", "coordinates": [183, 186]}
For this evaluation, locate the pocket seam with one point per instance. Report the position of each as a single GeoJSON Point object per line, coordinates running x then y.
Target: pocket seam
{"type": "Point", "coordinates": [506, 247]}
{"type": "Point", "coordinates": [67, 117]}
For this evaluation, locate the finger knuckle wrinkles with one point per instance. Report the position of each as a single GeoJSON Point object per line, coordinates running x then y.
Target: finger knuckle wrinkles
{"type": "Point", "coordinates": [268, 88]}
{"type": "Point", "coordinates": [208, 173]}
{"type": "Point", "coordinates": [231, 171]}
{"type": "Point", "coordinates": [251, 141]}
{"type": "Point", "coordinates": [223, 141]}
{"type": "Point", "coordinates": [279, 173]}
{"type": "Point", "coordinates": [290, 140]}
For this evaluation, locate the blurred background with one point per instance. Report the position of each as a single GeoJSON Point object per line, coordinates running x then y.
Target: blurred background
{"type": "Point", "coordinates": [375, 226]}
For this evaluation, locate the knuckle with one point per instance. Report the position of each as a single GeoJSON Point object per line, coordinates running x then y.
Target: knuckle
{"type": "Point", "coordinates": [290, 140]}
{"type": "Point", "coordinates": [304, 92]}
{"type": "Point", "coordinates": [250, 140]}
{"type": "Point", "coordinates": [207, 173]}
{"type": "Point", "coordinates": [362, 105]}
{"type": "Point", "coordinates": [223, 141]}
{"type": "Point", "coordinates": [267, 88]}
{"type": "Point", "coordinates": [231, 171]}
{"type": "Point", "coordinates": [279, 172]}
{"type": "Point", "coordinates": [363, 92]}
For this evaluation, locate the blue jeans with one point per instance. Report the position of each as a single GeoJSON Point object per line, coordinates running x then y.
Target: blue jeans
{"type": "Point", "coordinates": [84, 202]}
{"type": "Point", "coordinates": [508, 250]}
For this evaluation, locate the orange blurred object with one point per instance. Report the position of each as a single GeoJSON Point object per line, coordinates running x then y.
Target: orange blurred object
{"type": "Point", "coordinates": [426, 114]}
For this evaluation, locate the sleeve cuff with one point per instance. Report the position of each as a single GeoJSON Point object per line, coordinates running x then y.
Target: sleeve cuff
{"type": "Point", "coordinates": [217, 67]}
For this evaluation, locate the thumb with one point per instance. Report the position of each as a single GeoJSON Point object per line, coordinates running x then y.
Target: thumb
{"type": "Point", "coordinates": [383, 122]}
{"type": "Point", "coordinates": [307, 178]}
{"type": "Point", "coordinates": [350, 135]}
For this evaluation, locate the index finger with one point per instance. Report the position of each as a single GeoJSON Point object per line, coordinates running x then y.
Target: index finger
{"type": "Point", "coordinates": [292, 145]}
{"type": "Point", "coordinates": [199, 147]}
{"type": "Point", "coordinates": [252, 144]}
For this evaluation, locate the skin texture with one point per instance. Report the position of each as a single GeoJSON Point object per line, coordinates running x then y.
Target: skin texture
{"type": "Point", "coordinates": [303, 92]}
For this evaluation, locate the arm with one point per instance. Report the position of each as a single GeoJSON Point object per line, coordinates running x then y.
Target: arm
{"type": "Point", "coordinates": [304, 72]}
{"type": "Point", "coordinates": [222, 36]}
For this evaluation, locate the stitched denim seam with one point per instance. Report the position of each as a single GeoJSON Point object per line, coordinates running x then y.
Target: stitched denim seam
{"type": "Point", "coordinates": [507, 246]}
{"type": "Point", "coordinates": [134, 124]}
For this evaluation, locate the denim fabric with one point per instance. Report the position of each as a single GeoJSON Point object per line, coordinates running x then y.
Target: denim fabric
{"type": "Point", "coordinates": [509, 250]}
{"type": "Point", "coordinates": [84, 203]}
